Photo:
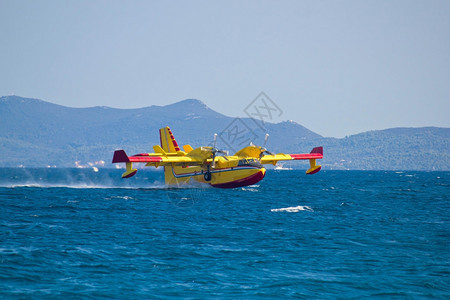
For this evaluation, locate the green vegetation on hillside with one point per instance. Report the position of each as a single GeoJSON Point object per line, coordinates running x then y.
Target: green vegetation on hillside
{"type": "Point", "coordinates": [34, 133]}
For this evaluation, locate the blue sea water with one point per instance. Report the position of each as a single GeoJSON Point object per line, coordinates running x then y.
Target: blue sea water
{"type": "Point", "coordinates": [76, 233]}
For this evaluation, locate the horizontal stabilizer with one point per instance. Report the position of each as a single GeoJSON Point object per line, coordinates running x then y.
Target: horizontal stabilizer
{"type": "Point", "coordinates": [187, 148]}
{"type": "Point", "coordinates": [158, 149]}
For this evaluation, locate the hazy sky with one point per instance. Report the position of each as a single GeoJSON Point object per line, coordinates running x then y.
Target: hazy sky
{"type": "Point", "coordinates": [336, 67]}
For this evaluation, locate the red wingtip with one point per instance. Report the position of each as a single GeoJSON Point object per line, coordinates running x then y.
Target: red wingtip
{"type": "Point", "coordinates": [317, 150]}
{"type": "Point", "coordinates": [120, 156]}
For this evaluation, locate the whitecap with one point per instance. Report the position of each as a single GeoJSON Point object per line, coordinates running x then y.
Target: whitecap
{"type": "Point", "coordinates": [120, 197]}
{"type": "Point", "coordinates": [249, 189]}
{"type": "Point", "coordinates": [292, 209]}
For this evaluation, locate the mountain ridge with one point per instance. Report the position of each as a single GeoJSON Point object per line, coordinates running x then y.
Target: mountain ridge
{"type": "Point", "coordinates": [37, 133]}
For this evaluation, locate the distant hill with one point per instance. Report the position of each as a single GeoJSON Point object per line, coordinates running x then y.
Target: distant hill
{"type": "Point", "coordinates": [425, 148]}
{"type": "Point", "coordinates": [35, 133]}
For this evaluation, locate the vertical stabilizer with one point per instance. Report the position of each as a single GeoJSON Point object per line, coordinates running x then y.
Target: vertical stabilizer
{"type": "Point", "coordinates": [170, 145]}
{"type": "Point", "coordinates": [168, 142]}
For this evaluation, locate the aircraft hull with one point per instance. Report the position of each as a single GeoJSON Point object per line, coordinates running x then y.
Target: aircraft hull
{"type": "Point", "coordinates": [248, 180]}
{"type": "Point", "coordinates": [220, 178]}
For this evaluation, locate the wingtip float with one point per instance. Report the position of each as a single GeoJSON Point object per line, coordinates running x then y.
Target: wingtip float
{"type": "Point", "coordinates": [203, 164]}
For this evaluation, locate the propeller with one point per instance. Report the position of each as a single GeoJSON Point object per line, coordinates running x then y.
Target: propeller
{"type": "Point", "coordinates": [214, 151]}
{"type": "Point", "coordinates": [264, 149]}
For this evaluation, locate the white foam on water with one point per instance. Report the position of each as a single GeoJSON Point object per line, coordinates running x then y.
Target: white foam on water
{"type": "Point", "coordinates": [292, 209]}
{"type": "Point", "coordinates": [83, 186]}
{"type": "Point", "coordinates": [250, 189]}
{"type": "Point", "coordinates": [49, 185]}
{"type": "Point", "coordinates": [120, 197]}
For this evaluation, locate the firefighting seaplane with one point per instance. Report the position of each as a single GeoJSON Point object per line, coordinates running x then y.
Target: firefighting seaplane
{"type": "Point", "coordinates": [203, 164]}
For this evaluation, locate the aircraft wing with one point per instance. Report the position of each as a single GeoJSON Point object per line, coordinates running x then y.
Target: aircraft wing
{"type": "Point", "coordinates": [155, 159]}
{"type": "Point", "coordinates": [316, 153]}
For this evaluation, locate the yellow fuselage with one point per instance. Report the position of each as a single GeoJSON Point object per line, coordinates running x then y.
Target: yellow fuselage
{"type": "Point", "coordinates": [228, 172]}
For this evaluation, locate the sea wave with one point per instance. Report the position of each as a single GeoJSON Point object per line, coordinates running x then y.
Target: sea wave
{"type": "Point", "coordinates": [292, 209]}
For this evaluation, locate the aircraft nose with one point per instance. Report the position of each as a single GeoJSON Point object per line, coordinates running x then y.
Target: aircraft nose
{"type": "Point", "coordinates": [259, 175]}
{"type": "Point", "coordinates": [263, 172]}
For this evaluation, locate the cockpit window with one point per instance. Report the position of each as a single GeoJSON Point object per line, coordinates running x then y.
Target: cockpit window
{"type": "Point", "coordinates": [249, 162]}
